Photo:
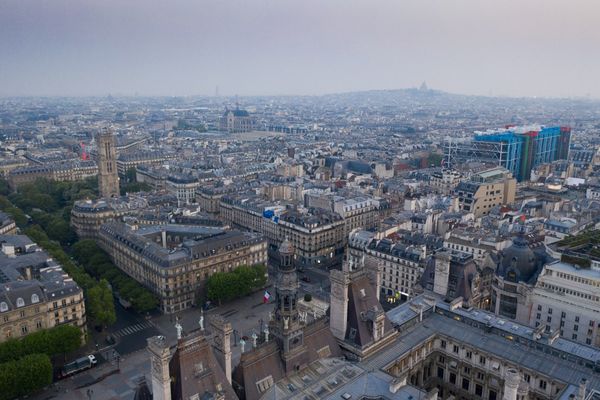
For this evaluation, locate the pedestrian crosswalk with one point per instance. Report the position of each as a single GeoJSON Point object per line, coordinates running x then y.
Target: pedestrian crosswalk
{"type": "Point", "coordinates": [132, 329]}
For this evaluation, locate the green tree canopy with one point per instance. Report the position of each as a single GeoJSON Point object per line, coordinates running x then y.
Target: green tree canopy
{"type": "Point", "coordinates": [100, 304]}
{"type": "Point", "coordinates": [24, 376]}
{"type": "Point", "coordinates": [226, 286]}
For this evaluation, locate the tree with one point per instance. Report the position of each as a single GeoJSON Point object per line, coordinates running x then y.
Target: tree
{"type": "Point", "coordinates": [24, 376]}
{"type": "Point", "coordinates": [130, 175]}
{"type": "Point", "coordinates": [62, 339]}
{"type": "Point", "coordinates": [100, 304]}
{"type": "Point", "coordinates": [226, 286]}
{"type": "Point", "coordinates": [4, 188]}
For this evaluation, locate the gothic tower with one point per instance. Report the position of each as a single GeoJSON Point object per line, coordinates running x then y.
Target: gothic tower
{"type": "Point", "coordinates": [286, 325]}
{"type": "Point", "coordinates": [108, 180]}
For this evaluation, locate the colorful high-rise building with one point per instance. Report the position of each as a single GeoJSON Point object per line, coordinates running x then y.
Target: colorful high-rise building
{"type": "Point", "coordinates": [518, 149]}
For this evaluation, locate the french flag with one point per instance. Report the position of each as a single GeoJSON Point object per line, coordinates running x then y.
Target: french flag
{"type": "Point", "coordinates": [266, 297]}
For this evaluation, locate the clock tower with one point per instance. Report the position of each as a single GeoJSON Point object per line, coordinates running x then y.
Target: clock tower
{"type": "Point", "coordinates": [286, 324]}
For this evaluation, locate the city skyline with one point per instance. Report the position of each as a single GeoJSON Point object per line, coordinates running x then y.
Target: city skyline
{"type": "Point", "coordinates": [62, 48]}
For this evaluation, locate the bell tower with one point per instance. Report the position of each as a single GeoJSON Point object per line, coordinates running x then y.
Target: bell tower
{"type": "Point", "coordinates": [108, 179]}
{"type": "Point", "coordinates": [286, 324]}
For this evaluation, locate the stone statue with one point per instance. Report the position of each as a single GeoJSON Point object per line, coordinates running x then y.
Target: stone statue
{"type": "Point", "coordinates": [243, 344]}
{"type": "Point", "coordinates": [254, 339]}
{"type": "Point", "coordinates": [179, 329]}
{"type": "Point", "coordinates": [201, 321]}
{"type": "Point", "coordinates": [314, 314]}
{"type": "Point", "coordinates": [270, 315]}
{"type": "Point", "coordinates": [286, 321]}
{"type": "Point", "coordinates": [266, 332]}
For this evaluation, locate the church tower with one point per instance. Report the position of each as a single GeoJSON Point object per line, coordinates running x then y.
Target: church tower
{"type": "Point", "coordinates": [286, 324]}
{"type": "Point", "coordinates": [108, 180]}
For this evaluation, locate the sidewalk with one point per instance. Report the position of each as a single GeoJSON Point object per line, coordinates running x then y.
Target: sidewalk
{"type": "Point", "coordinates": [114, 386]}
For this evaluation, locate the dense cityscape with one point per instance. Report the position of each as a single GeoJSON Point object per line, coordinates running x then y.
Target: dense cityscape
{"type": "Point", "coordinates": [384, 243]}
{"type": "Point", "coordinates": [302, 200]}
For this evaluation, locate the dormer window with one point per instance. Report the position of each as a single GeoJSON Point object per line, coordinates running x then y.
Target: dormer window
{"type": "Point", "coordinates": [20, 302]}
{"type": "Point", "coordinates": [3, 306]}
{"type": "Point", "coordinates": [35, 298]}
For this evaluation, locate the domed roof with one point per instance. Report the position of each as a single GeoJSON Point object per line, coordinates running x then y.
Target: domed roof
{"type": "Point", "coordinates": [286, 247]}
{"type": "Point", "coordinates": [519, 263]}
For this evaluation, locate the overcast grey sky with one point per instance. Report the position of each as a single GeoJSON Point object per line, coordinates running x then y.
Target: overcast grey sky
{"type": "Point", "coordinates": [248, 47]}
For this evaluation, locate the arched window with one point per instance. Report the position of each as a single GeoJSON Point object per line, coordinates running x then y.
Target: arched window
{"type": "Point", "coordinates": [35, 298]}
{"type": "Point", "coordinates": [20, 302]}
{"type": "Point", "coordinates": [3, 306]}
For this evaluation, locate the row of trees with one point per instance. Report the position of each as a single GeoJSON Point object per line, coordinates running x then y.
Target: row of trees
{"type": "Point", "coordinates": [226, 286]}
{"type": "Point", "coordinates": [59, 340]}
{"type": "Point", "coordinates": [97, 263]}
{"type": "Point", "coordinates": [103, 308]}
{"type": "Point", "coordinates": [25, 364]}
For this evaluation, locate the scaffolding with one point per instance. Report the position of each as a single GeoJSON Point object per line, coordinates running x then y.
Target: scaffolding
{"type": "Point", "coordinates": [518, 152]}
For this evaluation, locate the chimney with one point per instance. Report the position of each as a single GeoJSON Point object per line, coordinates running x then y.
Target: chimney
{"type": "Point", "coordinates": [582, 389]}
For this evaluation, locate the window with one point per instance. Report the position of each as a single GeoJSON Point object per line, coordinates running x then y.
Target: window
{"type": "Point", "coordinates": [527, 378]}
{"type": "Point", "coordinates": [576, 319]}
{"type": "Point", "coordinates": [264, 384]}
{"type": "Point", "coordinates": [575, 328]}
{"type": "Point", "coordinates": [455, 349]}
{"type": "Point", "coordinates": [549, 311]}
{"type": "Point", "coordinates": [38, 324]}
{"type": "Point", "coordinates": [493, 395]}
{"type": "Point", "coordinates": [480, 376]}
{"type": "Point", "coordinates": [469, 354]}
{"type": "Point", "coordinates": [22, 314]}
{"type": "Point", "coordinates": [543, 384]}
{"type": "Point", "coordinates": [574, 337]}
{"type": "Point", "coordinates": [443, 344]}
{"type": "Point", "coordinates": [3, 306]}
{"type": "Point", "coordinates": [24, 329]}
{"type": "Point", "coordinates": [563, 314]}
{"type": "Point", "coordinates": [35, 298]}
{"type": "Point", "coordinates": [549, 319]}
{"type": "Point", "coordinates": [440, 373]}
{"type": "Point", "coordinates": [478, 390]}
{"type": "Point", "coordinates": [467, 370]}
{"type": "Point", "coordinates": [20, 302]}
{"type": "Point", "coordinates": [465, 384]}
{"type": "Point", "coordinates": [482, 360]}
{"type": "Point", "coordinates": [453, 378]}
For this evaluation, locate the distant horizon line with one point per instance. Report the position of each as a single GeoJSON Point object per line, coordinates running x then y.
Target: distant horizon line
{"type": "Point", "coordinates": [221, 96]}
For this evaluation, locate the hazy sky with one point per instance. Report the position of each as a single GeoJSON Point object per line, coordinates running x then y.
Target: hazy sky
{"type": "Point", "coordinates": [247, 47]}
